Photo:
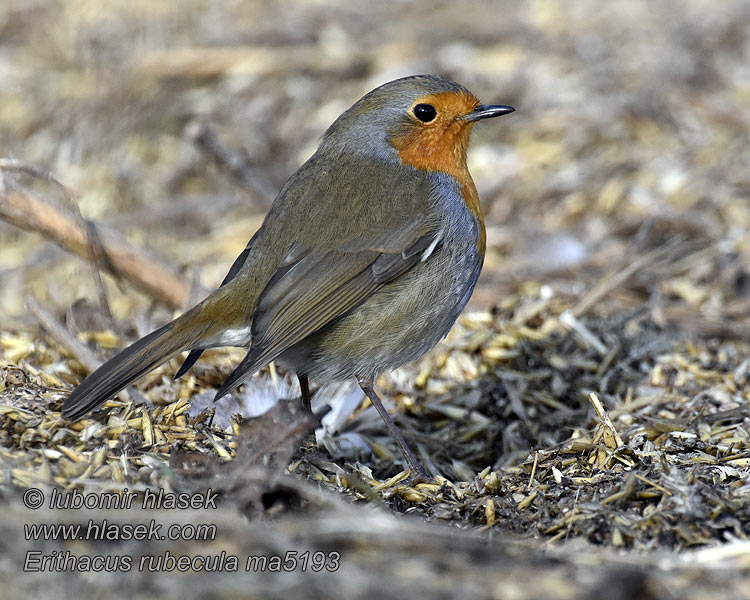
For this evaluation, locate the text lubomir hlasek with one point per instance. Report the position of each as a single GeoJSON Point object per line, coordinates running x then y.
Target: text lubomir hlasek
{"type": "Point", "coordinates": [150, 500]}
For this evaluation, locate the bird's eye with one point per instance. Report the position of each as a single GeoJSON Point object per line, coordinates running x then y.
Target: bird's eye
{"type": "Point", "coordinates": [425, 112]}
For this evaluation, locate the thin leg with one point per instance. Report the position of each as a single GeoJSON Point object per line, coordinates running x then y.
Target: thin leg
{"type": "Point", "coordinates": [304, 387]}
{"type": "Point", "coordinates": [418, 473]}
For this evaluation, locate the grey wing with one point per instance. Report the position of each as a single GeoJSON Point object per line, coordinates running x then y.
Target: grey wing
{"type": "Point", "coordinates": [312, 290]}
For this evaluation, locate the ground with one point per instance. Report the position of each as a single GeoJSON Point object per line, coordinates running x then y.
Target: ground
{"type": "Point", "coordinates": [587, 418]}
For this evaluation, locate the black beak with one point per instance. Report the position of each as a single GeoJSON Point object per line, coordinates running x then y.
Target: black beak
{"type": "Point", "coordinates": [488, 111]}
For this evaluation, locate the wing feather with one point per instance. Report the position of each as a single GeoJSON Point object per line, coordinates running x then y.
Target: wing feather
{"type": "Point", "coordinates": [316, 290]}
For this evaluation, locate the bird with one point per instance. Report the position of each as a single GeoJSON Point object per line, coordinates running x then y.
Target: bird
{"type": "Point", "coordinates": [362, 264]}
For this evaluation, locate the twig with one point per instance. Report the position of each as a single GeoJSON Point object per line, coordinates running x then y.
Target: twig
{"type": "Point", "coordinates": [230, 161]}
{"type": "Point", "coordinates": [584, 333]}
{"type": "Point", "coordinates": [62, 336]}
{"type": "Point", "coordinates": [97, 253]}
{"type": "Point", "coordinates": [146, 272]}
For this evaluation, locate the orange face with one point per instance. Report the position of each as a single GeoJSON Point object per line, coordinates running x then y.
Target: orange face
{"type": "Point", "coordinates": [440, 143]}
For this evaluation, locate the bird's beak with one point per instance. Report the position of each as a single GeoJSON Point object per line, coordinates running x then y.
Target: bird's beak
{"type": "Point", "coordinates": [488, 111]}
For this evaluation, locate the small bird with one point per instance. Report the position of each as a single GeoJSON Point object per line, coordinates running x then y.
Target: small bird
{"type": "Point", "coordinates": [363, 263]}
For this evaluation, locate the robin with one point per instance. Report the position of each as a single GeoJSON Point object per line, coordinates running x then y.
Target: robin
{"type": "Point", "coordinates": [363, 263]}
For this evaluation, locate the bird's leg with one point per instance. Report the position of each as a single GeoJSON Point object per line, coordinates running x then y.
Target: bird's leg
{"type": "Point", "coordinates": [417, 472]}
{"type": "Point", "coordinates": [304, 386]}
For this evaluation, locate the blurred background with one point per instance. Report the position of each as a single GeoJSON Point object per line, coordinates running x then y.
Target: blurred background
{"type": "Point", "coordinates": [631, 128]}
{"type": "Point", "coordinates": [617, 199]}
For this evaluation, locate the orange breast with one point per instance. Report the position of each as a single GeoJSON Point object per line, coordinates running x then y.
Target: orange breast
{"type": "Point", "coordinates": [471, 197]}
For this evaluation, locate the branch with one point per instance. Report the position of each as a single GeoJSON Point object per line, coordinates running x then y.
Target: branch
{"type": "Point", "coordinates": [147, 273]}
{"type": "Point", "coordinates": [232, 162]}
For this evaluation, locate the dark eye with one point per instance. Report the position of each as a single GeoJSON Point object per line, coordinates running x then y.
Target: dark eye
{"type": "Point", "coordinates": [425, 112]}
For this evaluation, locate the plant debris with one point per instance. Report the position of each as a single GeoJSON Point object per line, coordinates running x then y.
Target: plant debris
{"type": "Point", "coordinates": [591, 404]}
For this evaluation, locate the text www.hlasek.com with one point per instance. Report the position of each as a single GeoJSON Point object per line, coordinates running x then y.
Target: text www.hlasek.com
{"type": "Point", "coordinates": [105, 530]}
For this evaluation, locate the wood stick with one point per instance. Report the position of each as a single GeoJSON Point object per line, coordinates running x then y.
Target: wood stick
{"type": "Point", "coordinates": [62, 336]}
{"type": "Point", "coordinates": [146, 272]}
{"type": "Point", "coordinates": [234, 163]}
{"type": "Point", "coordinates": [96, 252]}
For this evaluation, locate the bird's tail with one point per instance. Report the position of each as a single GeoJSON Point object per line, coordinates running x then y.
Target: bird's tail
{"type": "Point", "coordinates": [137, 359]}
